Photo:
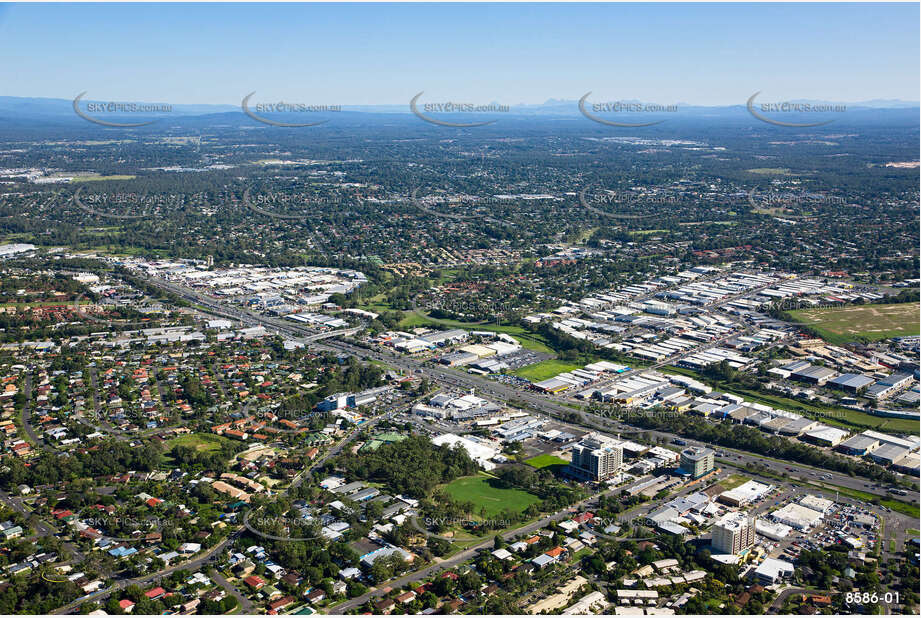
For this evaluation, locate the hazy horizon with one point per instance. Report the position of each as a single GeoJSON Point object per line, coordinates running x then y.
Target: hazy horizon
{"type": "Point", "coordinates": [384, 54]}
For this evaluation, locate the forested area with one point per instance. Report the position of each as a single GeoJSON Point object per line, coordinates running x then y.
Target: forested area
{"type": "Point", "coordinates": [413, 466]}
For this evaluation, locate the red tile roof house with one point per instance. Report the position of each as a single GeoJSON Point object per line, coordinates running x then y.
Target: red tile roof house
{"type": "Point", "coordinates": [281, 603]}
{"type": "Point", "coordinates": [64, 514]}
{"type": "Point", "coordinates": [255, 582]}
{"type": "Point", "coordinates": [454, 605]}
{"type": "Point", "coordinates": [316, 595]}
{"type": "Point", "coordinates": [406, 597]}
{"type": "Point", "coordinates": [155, 593]}
{"type": "Point", "coordinates": [127, 605]}
{"type": "Point", "coordinates": [556, 552]}
{"type": "Point", "coordinates": [384, 605]}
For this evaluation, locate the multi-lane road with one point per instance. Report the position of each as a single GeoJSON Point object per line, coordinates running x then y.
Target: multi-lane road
{"type": "Point", "coordinates": [501, 392]}
{"type": "Point", "coordinates": [536, 401]}
{"type": "Point", "coordinates": [544, 405]}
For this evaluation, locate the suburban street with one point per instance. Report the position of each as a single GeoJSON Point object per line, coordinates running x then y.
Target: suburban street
{"type": "Point", "coordinates": [100, 595]}
{"type": "Point", "coordinates": [542, 404]}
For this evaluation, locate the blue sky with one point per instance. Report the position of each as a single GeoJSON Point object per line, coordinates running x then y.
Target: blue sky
{"type": "Point", "coordinates": [353, 54]}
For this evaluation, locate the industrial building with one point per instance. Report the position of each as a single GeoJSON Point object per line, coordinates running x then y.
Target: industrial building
{"type": "Point", "coordinates": [813, 374]}
{"type": "Point", "coordinates": [858, 445]}
{"type": "Point", "coordinates": [853, 382]}
{"type": "Point", "coordinates": [823, 435]}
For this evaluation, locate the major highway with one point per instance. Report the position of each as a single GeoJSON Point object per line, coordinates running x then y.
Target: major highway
{"type": "Point", "coordinates": [451, 378]}
{"type": "Point", "coordinates": [538, 402]}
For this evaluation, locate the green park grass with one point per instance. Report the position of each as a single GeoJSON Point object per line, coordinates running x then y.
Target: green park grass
{"type": "Point", "coordinates": [769, 171]}
{"type": "Point", "coordinates": [646, 232]}
{"type": "Point", "coordinates": [733, 480]}
{"type": "Point", "coordinates": [120, 250]}
{"type": "Point", "coordinates": [840, 325]}
{"type": "Point", "coordinates": [546, 461]}
{"type": "Point", "coordinates": [199, 441]}
{"type": "Point", "coordinates": [545, 369]}
{"type": "Point", "coordinates": [482, 491]}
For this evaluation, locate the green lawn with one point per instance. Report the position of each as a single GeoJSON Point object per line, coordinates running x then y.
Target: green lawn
{"type": "Point", "coordinates": [646, 232]}
{"type": "Point", "coordinates": [545, 369]}
{"type": "Point", "coordinates": [546, 461]}
{"type": "Point", "coordinates": [198, 441]}
{"type": "Point", "coordinates": [733, 480]}
{"type": "Point", "coordinates": [851, 322]}
{"type": "Point", "coordinates": [769, 171]}
{"type": "Point", "coordinates": [481, 491]}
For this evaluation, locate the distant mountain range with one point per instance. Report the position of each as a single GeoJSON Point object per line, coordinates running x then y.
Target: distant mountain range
{"type": "Point", "coordinates": [29, 110]}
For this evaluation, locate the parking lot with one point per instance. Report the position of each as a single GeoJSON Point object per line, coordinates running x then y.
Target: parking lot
{"type": "Point", "coordinates": [523, 358]}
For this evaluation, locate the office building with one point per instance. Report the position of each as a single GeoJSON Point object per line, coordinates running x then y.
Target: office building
{"type": "Point", "coordinates": [597, 456]}
{"type": "Point", "coordinates": [733, 533]}
{"type": "Point", "coordinates": [696, 461]}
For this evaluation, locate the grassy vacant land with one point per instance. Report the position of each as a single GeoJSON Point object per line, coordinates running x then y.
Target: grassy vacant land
{"type": "Point", "coordinates": [732, 481]}
{"type": "Point", "coordinates": [769, 171]}
{"type": "Point", "coordinates": [545, 369]}
{"type": "Point", "coordinates": [646, 232]}
{"type": "Point", "coordinates": [546, 461]}
{"type": "Point", "coordinates": [872, 322]}
{"type": "Point", "coordinates": [483, 491]}
{"type": "Point", "coordinates": [198, 441]}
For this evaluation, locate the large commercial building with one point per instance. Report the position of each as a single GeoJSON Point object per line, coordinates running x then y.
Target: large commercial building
{"type": "Point", "coordinates": [748, 492]}
{"type": "Point", "coordinates": [696, 461]}
{"type": "Point", "coordinates": [733, 533]}
{"type": "Point", "coordinates": [479, 450]}
{"type": "Point", "coordinates": [597, 456]}
{"type": "Point", "coordinates": [797, 516]}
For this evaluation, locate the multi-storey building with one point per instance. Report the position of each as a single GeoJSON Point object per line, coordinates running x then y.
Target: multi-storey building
{"type": "Point", "coordinates": [598, 456]}
{"type": "Point", "coordinates": [733, 533]}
